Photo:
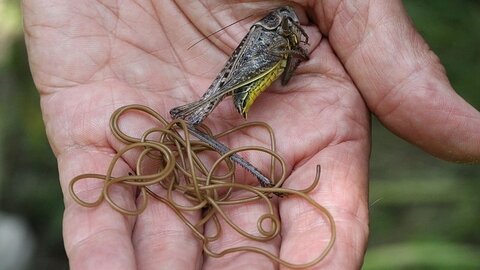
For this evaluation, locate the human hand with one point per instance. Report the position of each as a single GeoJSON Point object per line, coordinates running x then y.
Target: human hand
{"type": "Point", "coordinates": [89, 59]}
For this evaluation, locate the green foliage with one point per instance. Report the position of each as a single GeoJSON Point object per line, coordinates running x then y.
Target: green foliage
{"type": "Point", "coordinates": [418, 255]}
{"type": "Point", "coordinates": [29, 184]}
{"type": "Point", "coordinates": [427, 214]}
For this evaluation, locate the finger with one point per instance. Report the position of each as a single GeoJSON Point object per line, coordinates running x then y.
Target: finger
{"type": "Point", "coordinates": [400, 78]}
{"type": "Point", "coordinates": [343, 186]}
{"type": "Point", "coordinates": [95, 237]}
{"type": "Point", "coordinates": [342, 190]}
{"type": "Point", "coordinates": [162, 240]}
{"type": "Point", "coordinates": [245, 216]}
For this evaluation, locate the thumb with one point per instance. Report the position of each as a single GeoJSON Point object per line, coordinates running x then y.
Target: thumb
{"type": "Point", "coordinates": [401, 79]}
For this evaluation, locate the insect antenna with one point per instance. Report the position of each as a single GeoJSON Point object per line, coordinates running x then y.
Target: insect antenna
{"type": "Point", "coordinates": [219, 30]}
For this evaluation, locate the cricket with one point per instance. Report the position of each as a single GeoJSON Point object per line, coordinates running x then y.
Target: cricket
{"type": "Point", "coordinates": [272, 49]}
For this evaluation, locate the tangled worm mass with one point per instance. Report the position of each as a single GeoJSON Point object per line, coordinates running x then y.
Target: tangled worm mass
{"type": "Point", "coordinates": [179, 167]}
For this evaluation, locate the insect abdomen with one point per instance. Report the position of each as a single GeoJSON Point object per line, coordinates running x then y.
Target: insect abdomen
{"type": "Point", "coordinates": [244, 97]}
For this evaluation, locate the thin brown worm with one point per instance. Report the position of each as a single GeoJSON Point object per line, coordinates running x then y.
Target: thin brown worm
{"type": "Point", "coordinates": [181, 169]}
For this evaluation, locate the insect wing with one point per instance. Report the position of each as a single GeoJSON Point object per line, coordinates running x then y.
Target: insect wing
{"type": "Point", "coordinates": [257, 58]}
{"type": "Point", "coordinates": [196, 111]}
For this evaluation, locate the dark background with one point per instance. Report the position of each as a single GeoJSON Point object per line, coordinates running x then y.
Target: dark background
{"type": "Point", "coordinates": [425, 213]}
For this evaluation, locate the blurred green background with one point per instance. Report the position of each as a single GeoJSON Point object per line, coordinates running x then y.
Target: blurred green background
{"type": "Point", "coordinates": [425, 213]}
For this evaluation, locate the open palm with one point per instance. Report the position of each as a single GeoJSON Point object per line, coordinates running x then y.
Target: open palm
{"type": "Point", "coordinates": [88, 58]}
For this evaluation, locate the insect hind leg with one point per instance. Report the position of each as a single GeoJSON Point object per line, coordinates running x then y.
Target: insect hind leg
{"type": "Point", "coordinates": [195, 112]}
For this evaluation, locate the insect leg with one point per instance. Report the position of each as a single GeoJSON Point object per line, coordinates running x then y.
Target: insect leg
{"type": "Point", "coordinates": [195, 112]}
{"type": "Point", "coordinates": [293, 60]}
{"type": "Point", "coordinates": [222, 149]}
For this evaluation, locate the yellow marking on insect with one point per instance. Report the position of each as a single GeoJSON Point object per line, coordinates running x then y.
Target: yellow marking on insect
{"type": "Point", "coordinates": [261, 84]}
